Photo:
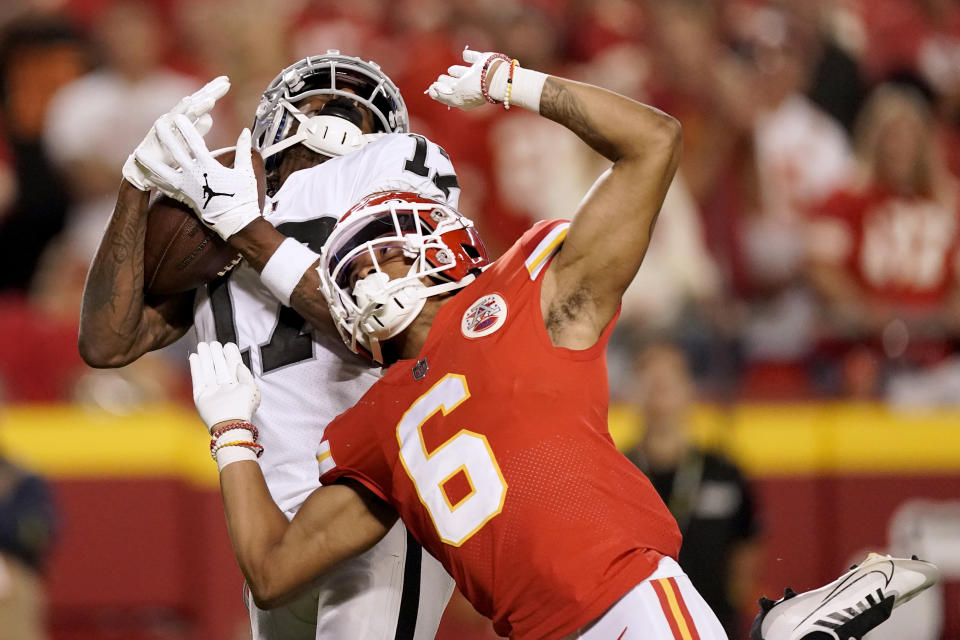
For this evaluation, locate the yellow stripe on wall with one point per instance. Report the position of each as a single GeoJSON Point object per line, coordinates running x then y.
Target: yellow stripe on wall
{"type": "Point", "coordinates": [68, 441]}
{"type": "Point", "coordinates": [819, 438]}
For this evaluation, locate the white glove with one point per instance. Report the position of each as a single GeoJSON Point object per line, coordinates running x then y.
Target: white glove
{"type": "Point", "coordinates": [223, 387]}
{"type": "Point", "coordinates": [225, 198]}
{"type": "Point", "coordinates": [197, 108]}
{"type": "Point", "coordinates": [462, 89]}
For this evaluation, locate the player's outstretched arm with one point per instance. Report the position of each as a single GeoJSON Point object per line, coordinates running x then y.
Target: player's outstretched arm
{"type": "Point", "coordinates": [610, 232]}
{"type": "Point", "coordinates": [276, 556]}
{"type": "Point", "coordinates": [117, 324]}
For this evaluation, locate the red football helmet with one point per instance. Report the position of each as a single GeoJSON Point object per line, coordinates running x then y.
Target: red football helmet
{"type": "Point", "coordinates": [446, 250]}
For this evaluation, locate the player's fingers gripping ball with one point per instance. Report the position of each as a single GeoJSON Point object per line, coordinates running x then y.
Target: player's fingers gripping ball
{"type": "Point", "coordinates": [223, 387]}
{"type": "Point", "coordinates": [225, 198]}
{"type": "Point", "coordinates": [196, 107]}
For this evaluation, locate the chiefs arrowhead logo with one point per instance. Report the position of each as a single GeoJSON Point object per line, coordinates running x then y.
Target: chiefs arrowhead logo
{"type": "Point", "coordinates": [484, 316]}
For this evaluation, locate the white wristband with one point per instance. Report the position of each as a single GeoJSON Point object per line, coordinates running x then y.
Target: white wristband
{"type": "Point", "coordinates": [527, 87]}
{"type": "Point", "coordinates": [229, 455]}
{"type": "Point", "coordinates": [286, 267]}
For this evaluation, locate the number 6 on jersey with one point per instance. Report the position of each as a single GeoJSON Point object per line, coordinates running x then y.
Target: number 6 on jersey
{"type": "Point", "coordinates": [466, 452]}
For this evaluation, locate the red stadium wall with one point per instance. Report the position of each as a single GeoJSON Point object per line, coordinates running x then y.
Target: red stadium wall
{"type": "Point", "coordinates": [815, 526]}
{"type": "Point", "coordinates": [140, 559]}
{"type": "Point", "coordinates": [143, 552]}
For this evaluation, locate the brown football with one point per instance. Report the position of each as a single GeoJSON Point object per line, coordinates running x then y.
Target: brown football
{"type": "Point", "coordinates": [180, 253]}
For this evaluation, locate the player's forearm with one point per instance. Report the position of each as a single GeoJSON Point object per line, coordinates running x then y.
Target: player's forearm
{"type": "Point", "coordinates": [612, 125]}
{"type": "Point", "coordinates": [309, 303]}
{"type": "Point", "coordinates": [116, 326]}
{"type": "Point", "coordinates": [258, 242]}
{"type": "Point", "coordinates": [644, 145]}
{"type": "Point", "coordinates": [277, 557]}
{"type": "Point", "coordinates": [256, 526]}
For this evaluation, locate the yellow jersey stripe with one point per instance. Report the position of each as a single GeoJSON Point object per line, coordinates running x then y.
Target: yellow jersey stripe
{"type": "Point", "coordinates": [546, 248]}
{"type": "Point", "coordinates": [325, 457]}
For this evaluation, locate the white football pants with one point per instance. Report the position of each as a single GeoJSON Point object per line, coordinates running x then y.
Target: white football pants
{"type": "Point", "coordinates": [665, 606]}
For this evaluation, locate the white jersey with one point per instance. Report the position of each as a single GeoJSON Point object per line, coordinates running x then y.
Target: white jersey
{"type": "Point", "coordinates": [307, 377]}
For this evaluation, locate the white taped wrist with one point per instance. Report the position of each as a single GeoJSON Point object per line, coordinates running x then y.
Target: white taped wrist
{"type": "Point", "coordinates": [497, 85]}
{"type": "Point", "coordinates": [527, 87]}
{"type": "Point", "coordinates": [229, 455]}
{"type": "Point", "coordinates": [286, 267]}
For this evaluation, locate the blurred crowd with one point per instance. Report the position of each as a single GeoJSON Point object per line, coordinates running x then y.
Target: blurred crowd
{"type": "Point", "coordinates": [808, 247]}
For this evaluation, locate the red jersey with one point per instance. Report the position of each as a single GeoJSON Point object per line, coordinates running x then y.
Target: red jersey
{"type": "Point", "coordinates": [494, 449]}
{"type": "Point", "coordinates": [902, 251]}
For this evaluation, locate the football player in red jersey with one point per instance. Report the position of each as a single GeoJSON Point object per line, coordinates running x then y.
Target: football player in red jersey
{"type": "Point", "coordinates": [488, 434]}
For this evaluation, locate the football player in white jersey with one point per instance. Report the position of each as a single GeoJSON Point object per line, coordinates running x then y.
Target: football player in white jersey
{"type": "Point", "coordinates": [331, 129]}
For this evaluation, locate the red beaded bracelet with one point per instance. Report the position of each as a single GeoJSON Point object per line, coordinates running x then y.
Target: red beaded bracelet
{"type": "Point", "coordinates": [483, 76]}
{"type": "Point", "coordinates": [236, 425]}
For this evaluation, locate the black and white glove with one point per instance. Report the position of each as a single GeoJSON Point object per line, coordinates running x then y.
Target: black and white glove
{"type": "Point", "coordinates": [196, 107]}
{"type": "Point", "coordinates": [225, 198]}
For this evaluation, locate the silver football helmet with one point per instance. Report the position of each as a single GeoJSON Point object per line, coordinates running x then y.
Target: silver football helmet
{"type": "Point", "coordinates": [334, 131]}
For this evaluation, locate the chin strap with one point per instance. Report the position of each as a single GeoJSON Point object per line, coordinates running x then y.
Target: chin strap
{"type": "Point", "coordinates": [327, 135]}
{"type": "Point", "coordinates": [386, 304]}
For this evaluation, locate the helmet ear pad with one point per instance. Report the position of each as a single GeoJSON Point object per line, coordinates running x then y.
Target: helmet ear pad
{"type": "Point", "coordinates": [334, 131]}
{"type": "Point", "coordinates": [469, 254]}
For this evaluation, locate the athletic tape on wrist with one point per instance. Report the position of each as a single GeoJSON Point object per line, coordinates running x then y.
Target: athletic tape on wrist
{"type": "Point", "coordinates": [526, 89]}
{"type": "Point", "coordinates": [229, 455]}
{"type": "Point", "coordinates": [286, 267]}
{"type": "Point", "coordinates": [497, 84]}
{"type": "Point", "coordinates": [492, 86]}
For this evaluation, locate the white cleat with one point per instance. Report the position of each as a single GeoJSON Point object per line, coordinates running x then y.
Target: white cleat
{"type": "Point", "coordinates": [848, 607]}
